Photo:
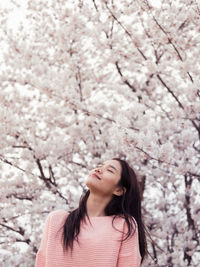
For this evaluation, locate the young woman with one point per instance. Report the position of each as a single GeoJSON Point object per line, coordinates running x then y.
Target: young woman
{"type": "Point", "coordinates": [106, 230]}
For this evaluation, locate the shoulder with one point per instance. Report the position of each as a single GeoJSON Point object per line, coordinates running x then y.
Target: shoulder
{"type": "Point", "coordinates": [124, 225]}
{"type": "Point", "coordinates": [131, 219]}
{"type": "Point", "coordinates": [132, 224]}
{"type": "Point", "coordinates": [56, 217]}
{"type": "Point", "coordinates": [58, 213]}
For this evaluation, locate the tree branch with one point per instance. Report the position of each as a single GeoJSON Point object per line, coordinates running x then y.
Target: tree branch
{"type": "Point", "coordinates": [173, 45]}
{"type": "Point", "coordinates": [126, 31]}
{"type": "Point", "coordinates": [170, 91]}
{"type": "Point", "coordinates": [124, 80]}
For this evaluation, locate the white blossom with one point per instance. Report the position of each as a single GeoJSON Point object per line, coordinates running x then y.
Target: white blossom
{"type": "Point", "coordinates": [79, 86]}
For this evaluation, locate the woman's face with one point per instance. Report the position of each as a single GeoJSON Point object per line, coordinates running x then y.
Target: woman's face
{"type": "Point", "coordinates": [105, 177]}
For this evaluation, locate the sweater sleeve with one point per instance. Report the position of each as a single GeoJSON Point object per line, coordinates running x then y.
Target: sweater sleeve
{"type": "Point", "coordinates": [41, 254]}
{"type": "Point", "coordinates": [129, 253]}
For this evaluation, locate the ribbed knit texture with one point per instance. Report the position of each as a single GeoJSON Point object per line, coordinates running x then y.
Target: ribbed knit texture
{"type": "Point", "coordinates": [98, 244]}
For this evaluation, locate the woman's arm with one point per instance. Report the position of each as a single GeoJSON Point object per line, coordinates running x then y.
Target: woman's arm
{"type": "Point", "coordinates": [129, 253]}
{"type": "Point", "coordinates": [41, 254]}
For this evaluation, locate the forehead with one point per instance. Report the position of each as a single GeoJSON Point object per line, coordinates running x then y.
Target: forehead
{"type": "Point", "coordinates": [114, 163]}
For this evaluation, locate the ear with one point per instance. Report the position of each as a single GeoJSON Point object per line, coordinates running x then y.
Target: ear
{"type": "Point", "coordinates": [119, 191]}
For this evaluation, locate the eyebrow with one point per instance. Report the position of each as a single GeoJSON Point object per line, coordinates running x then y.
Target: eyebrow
{"type": "Point", "coordinates": [108, 166]}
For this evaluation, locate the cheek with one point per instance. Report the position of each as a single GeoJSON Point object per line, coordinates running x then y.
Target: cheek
{"type": "Point", "coordinates": [110, 181]}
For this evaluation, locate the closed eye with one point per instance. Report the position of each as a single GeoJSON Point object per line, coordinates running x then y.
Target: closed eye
{"type": "Point", "coordinates": [110, 171]}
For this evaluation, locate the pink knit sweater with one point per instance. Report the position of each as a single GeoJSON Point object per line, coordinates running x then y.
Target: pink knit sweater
{"type": "Point", "coordinates": [98, 244]}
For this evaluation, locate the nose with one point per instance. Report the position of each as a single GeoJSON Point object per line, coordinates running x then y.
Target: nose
{"type": "Point", "coordinates": [98, 170]}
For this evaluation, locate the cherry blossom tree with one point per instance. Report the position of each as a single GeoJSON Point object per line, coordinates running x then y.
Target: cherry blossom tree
{"type": "Point", "coordinates": [84, 81]}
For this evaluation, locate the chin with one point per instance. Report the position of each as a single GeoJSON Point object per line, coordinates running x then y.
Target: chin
{"type": "Point", "coordinates": [92, 186]}
{"type": "Point", "coordinates": [88, 183]}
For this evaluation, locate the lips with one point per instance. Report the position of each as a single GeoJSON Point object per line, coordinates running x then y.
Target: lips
{"type": "Point", "coordinates": [94, 174]}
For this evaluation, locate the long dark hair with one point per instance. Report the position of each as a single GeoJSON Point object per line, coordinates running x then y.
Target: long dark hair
{"type": "Point", "coordinates": [127, 205]}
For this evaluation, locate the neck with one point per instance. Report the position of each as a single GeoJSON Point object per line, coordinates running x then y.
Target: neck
{"type": "Point", "coordinates": [96, 205]}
